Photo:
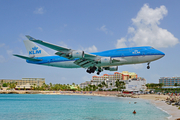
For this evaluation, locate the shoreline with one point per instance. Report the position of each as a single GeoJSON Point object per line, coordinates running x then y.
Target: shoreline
{"type": "Point", "coordinates": [159, 102]}
{"type": "Point", "coordinates": [154, 99]}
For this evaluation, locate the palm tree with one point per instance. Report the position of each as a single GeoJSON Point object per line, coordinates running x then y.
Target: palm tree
{"type": "Point", "coordinates": [111, 84]}
{"type": "Point", "coordinates": [1, 82]}
{"type": "Point", "coordinates": [34, 86]}
{"type": "Point", "coordinates": [120, 85]}
{"type": "Point", "coordinates": [100, 85]}
{"type": "Point", "coordinates": [160, 85]}
{"type": "Point", "coordinates": [175, 84]}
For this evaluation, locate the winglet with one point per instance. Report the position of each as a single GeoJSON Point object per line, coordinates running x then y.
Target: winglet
{"type": "Point", "coordinates": [30, 38]}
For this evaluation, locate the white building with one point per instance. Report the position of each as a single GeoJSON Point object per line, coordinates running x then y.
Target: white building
{"type": "Point", "coordinates": [136, 84]}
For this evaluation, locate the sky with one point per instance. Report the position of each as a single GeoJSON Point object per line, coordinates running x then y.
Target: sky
{"type": "Point", "coordinates": [92, 26]}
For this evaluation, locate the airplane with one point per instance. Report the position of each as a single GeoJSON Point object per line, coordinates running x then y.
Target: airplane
{"type": "Point", "coordinates": [99, 61]}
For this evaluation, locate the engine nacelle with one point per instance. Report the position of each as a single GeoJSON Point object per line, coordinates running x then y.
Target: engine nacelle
{"type": "Point", "coordinates": [77, 54]}
{"type": "Point", "coordinates": [106, 60]}
{"type": "Point", "coordinates": [112, 68]}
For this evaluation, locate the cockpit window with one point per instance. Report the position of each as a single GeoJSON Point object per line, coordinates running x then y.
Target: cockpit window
{"type": "Point", "coordinates": [151, 48]}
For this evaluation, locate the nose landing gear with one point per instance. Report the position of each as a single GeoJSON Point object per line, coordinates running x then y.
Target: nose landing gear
{"type": "Point", "coordinates": [148, 67]}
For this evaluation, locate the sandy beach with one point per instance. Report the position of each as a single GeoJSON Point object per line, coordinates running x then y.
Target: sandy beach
{"type": "Point", "coordinates": [159, 101]}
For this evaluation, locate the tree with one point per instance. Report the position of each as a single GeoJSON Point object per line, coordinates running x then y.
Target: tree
{"type": "Point", "coordinates": [12, 85]}
{"type": "Point", "coordinates": [100, 86]}
{"type": "Point", "coordinates": [111, 84]}
{"type": "Point", "coordinates": [34, 86]}
{"type": "Point", "coordinates": [94, 87]}
{"type": "Point", "coordinates": [1, 82]}
{"type": "Point", "coordinates": [175, 84]}
{"type": "Point", "coordinates": [5, 84]}
{"type": "Point", "coordinates": [148, 85]}
{"type": "Point", "coordinates": [160, 85]}
{"type": "Point", "coordinates": [120, 85]}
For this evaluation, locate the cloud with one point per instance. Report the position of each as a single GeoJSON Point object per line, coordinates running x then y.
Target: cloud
{"type": "Point", "coordinates": [2, 59]}
{"type": "Point", "coordinates": [121, 43]}
{"type": "Point", "coordinates": [65, 25]}
{"type": "Point", "coordinates": [85, 78]}
{"type": "Point", "coordinates": [22, 53]}
{"type": "Point", "coordinates": [22, 37]}
{"type": "Point", "coordinates": [137, 66]}
{"type": "Point", "coordinates": [40, 29]}
{"type": "Point", "coordinates": [9, 52]}
{"type": "Point", "coordinates": [105, 30]}
{"type": "Point", "coordinates": [146, 32]}
{"type": "Point", "coordinates": [90, 49]}
{"type": "Point", "coordinates": [2, 45]}
{"type": "Point", "coordinates": [63, 44]}
{"type": "Point", "coordinates": [39, 10]}
{"type": "Point", "coordinates": [63, 78]}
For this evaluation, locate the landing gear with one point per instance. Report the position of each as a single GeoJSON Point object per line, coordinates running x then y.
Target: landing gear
{"type": "Point", "coordinates": [148, 67]}
{"type": "Point", "coordinates": [91, 69]}
{"type": "Point", "coordinates": [99, 71]}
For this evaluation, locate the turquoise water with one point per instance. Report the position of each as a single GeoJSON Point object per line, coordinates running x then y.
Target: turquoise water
{"type": "Point", "coordinates": [71, 107]}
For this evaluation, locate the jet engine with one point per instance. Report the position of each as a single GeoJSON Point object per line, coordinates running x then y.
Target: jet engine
{"type": "Point", "coordinates": [106, 60]}
{"type": "Point", "coordinates": [77, 54]}
{"type": "Point", "coordinates": [111, 68]}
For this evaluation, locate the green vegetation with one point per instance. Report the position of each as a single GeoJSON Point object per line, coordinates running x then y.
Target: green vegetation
{"type": "Point", "coordinates": [5, 85]}
{"type": "Point", "coordinates": [154, 85]}
{"type": "Point", "coordinates": [175, 84]}
{"type": "Point", "coordinates": [158, 88]}
{"type": "Point", "coordinates": [120, 85]}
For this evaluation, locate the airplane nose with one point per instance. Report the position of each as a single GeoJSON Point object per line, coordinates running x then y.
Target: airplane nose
{"type": "Point", "coordinates": [161, 53]}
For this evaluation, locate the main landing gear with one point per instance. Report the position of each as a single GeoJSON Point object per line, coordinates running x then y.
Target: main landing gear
{"type": "Point", "coordinates": [148, 67]}
{"type": "Point", "coordinates": [93, 69]}
{"type": "Point", "coordinates": [98, 72]}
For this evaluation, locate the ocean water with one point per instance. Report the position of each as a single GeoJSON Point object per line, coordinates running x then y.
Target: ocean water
{"type": "Point", "coordinates": [72, 107]}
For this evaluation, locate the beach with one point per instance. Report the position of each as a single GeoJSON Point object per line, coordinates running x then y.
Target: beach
{"type": "Point", "coordinates": [159, 101]}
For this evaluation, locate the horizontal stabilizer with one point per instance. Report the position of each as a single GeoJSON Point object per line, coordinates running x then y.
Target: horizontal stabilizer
{"type": "Point", "coordinates": [27, 58]}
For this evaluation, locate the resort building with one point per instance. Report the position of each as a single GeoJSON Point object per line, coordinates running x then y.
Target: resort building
{"type": "Point", "coordinates": [25, 82]}
{"type": "Point", "coordinates": [136, 84]}
{"type": "Point", "coordinates": [83, 85]}
{"type": "Point", "coordinates": [169, 81]}
{"type": "Point", "coordinates": [109, 79]}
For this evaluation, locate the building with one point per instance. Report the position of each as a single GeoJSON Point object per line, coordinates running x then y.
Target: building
{"type": "Point", "coordinates": [25, 82]}
{"type": "Point", "coordinates": [109, 79]}
{"type": "Point", "coordinates": [83, 85]}
{"type": "Point", "coordinates": [136, 84]}
{"type": "Point", "coordinates": [169, 81]}
{"type": "Point", "coordinates": [128, 75]}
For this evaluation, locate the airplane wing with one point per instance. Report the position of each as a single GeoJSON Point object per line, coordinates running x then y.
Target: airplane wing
{"type": "Point", "coordinates": [85, 60]}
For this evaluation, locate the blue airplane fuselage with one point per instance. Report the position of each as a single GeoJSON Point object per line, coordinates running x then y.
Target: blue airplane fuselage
{"type": "Point", "coordinates": [132, 55]}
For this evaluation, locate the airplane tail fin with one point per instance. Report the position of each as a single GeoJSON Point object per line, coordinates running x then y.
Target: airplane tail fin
{"type": "Point", "coordinates": [34, 50]}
